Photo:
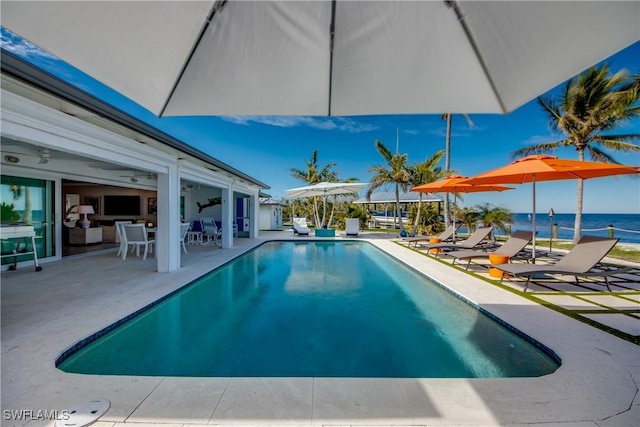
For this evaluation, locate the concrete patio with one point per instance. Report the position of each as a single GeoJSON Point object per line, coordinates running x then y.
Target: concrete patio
{"type": "Point", "coordinates": [46, 312]}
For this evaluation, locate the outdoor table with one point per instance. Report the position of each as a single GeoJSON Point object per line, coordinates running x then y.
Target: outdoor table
{"type": "Point", "coordinates": [435, 240]}
{"type": "Point", "coordinates": [496, 259]}
{"type": "Point", "coordinates": [194, 237]}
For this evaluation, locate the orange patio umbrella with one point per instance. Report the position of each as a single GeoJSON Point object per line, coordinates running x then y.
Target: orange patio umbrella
{"type": "Point", "coordinates": [548, 168]}
{"type": "Point", "coordinates": [457, 184]}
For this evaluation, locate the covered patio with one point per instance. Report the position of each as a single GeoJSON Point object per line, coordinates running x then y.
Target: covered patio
{"type": "Point", "coordinates": [76, 145]}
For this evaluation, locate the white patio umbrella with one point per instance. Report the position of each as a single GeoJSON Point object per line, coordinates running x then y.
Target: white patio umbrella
{"type": "Point", "coordinates": [325, 189]}
{"type": "Point", "coordinates": [327, 57]}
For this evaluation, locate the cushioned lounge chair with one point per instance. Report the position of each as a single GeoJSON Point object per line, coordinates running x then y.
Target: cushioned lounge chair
{"type": "Point", "coordinates": [447, 234]}
{"type": "Point", "coordinates": [471, 242]}
{"type": "Point", "coordinates": [514, 245]}
{"type": "Point", "coordinates": [579, 261]}
{"type": "Point", "coordinates": [300, 227]}
{"type": "Point", "coordinates": [352, 226]}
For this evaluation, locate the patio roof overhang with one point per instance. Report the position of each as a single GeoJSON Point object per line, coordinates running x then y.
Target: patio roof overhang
{"type": "Point", "coordinates": [22, 70]}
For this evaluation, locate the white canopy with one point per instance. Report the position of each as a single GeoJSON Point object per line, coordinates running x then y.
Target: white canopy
{"type": "Point", "coordinates": [328, 58]}
{"type": "Point", "coordinates": [326, 189]}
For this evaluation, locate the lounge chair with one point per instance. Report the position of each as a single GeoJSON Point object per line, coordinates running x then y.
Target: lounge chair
{"type": "Point", "coordinates": [579, 261]}
{"type": "Point", "coordinates": [300, 227]}
{"type": "Point", "coordinates": [514, 245]}
{"type": "Point", "coordinates": [447, 234]}
{"type": "Point", "coordinates": [211, 232]}
{"type": "Point", "coordinates": [352, 226]}
{"type": "Point", "coordinates": [470, 243]}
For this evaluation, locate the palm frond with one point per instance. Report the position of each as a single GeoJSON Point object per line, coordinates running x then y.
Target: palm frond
{"type": "Point", "coordinates": [547, 147]}
{"type": "Point", "coordinates": [600, 156]}
{"type": "Point", "coordinates": [618, 142]}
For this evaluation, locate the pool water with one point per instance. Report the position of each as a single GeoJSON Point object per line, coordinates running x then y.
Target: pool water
{"type": "Point", "coordinates": [311, 309]}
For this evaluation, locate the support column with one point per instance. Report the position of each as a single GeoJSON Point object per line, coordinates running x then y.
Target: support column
{"type": "Point", "coordinates": [254, 214]}
{"type": "Point", "coordinates": [167, 246]}
{"type": "Point", "coordinates": [227, 217]}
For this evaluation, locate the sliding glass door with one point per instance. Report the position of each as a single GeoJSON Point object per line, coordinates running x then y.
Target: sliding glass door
{"type": "Point", "coordinates": [27, 201]}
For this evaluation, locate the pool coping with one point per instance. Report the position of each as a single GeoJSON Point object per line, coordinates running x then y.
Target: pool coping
{"type": "Point", "coordinates": [597, 380]}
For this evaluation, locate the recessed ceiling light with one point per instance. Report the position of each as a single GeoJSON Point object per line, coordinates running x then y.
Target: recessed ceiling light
{"type": "Point", "coordinates": [11, 159]}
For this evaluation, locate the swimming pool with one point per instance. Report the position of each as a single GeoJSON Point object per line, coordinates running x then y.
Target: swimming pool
{"type": "Point", "coordinates": [310, 309]}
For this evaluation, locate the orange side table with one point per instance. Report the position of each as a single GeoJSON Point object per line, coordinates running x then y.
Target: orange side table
{"type": "Point", "coordinates": [435, 240]}
{"type": "Point", "coordinates": [496, 259]}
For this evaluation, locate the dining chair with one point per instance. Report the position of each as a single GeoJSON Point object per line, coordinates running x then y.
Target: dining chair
{"type": "Point", "coordinates": [184, 231]}
{"type": "Point", "coordinates": [120, 234]}
{"type": "Point", "coordinates": [136, 234]}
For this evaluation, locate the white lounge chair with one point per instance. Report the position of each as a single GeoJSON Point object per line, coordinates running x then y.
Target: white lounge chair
{"type": "Point", "coordinates": [300, 227]}
{"type": "Point", "coordinates": [352, 226]}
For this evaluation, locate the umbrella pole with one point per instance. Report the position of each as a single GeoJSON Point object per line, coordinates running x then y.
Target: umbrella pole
{"type": "Point", "coordinates": [324, 211]}
{"type": "Point", "coordinates": [454, 218]}
{"type": "Point", "coordinates": [533, 222]}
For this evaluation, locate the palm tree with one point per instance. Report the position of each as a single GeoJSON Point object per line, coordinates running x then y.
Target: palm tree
{"type": "Point", "coordinates": [423, 173]}
{"type": "Point", "coordinates": [395, 172]}
{"type": "Point", "coordinates": [313, 175]}
{"type": "Point", "coordinates": [447, 157]}
{"type": "Point", "coordinates": [494, 215]}
{"type": "Point", "coordinates": [589, 106]}
{"type": "Point", "coordinates": [469, 217]}
{"type": "Point", "coordinates": [16, 192]}
{"type": "Point", "coordinates": [336, 197]}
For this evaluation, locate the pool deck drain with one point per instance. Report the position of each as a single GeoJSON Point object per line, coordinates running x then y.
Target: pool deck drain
{"type": "Point", "coordinates": [597, 384]}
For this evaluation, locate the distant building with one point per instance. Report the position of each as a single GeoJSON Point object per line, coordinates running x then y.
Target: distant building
{"type": "Point", "coordinates": [382, 205]}
{"type": "Point", "coordinates": [270, 216]}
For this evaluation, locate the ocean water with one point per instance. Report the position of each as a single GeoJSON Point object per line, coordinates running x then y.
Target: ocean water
{"type": "Point", "coordinates": [626, 226]}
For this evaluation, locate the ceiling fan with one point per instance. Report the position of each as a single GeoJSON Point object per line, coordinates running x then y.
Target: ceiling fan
{"type": "Point", "coordinates": [136, 175]}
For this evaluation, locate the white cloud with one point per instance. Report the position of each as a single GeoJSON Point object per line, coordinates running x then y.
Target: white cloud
{"type": "Point", "coordinates": [539, 139]}
{"type": "Point", "coordinates": [328, 123]}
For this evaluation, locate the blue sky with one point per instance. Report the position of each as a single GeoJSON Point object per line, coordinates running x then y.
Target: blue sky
{"type": "Point", "coordinates": [267, 147]}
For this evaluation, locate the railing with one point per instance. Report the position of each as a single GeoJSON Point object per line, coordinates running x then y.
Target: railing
{"type": "Point", "coordinates": [609, 229]}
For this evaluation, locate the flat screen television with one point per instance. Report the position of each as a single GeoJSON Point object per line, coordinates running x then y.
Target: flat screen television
{"type": "Point", "coordinates": [122, 205]}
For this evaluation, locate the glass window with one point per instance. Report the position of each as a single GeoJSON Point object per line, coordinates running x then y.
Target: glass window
{"type": "Point", "coordinates": [27, 201]}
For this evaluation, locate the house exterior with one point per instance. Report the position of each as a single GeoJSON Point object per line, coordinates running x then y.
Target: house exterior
{"type": "Point", "coordinates": [61, 145]}
{"type": "Point", "coordinates": [270, 214]}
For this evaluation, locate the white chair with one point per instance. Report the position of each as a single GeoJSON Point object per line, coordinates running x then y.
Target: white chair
{"type": "Point", "coordinates": [211, 232]}
{"type": "Point", "coordinates": [136, 234]}
{"type": "Point", "coordinates": [300, 227]}
{"type": "Point", "coordinates": [120, 234]}
{"type": "Point", "coordinates": [184, 230]}
{"type": "Point", "coordinates": [352, 226]}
